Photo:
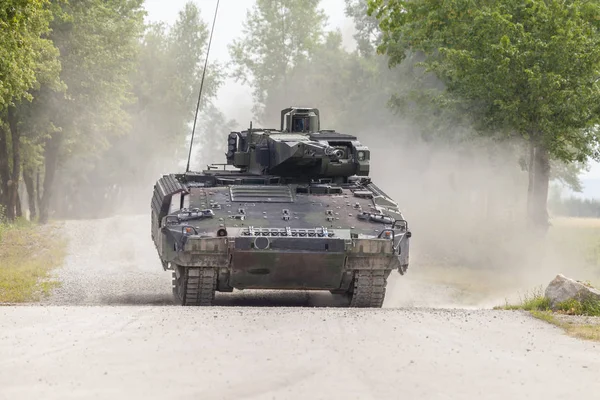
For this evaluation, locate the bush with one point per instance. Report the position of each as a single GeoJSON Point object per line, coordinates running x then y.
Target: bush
{"type": "Point", "coordinates": [587, 307]}
{"type": "Point", "coordinates": [534, 301]}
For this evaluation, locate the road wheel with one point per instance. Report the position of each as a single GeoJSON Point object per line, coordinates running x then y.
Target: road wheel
{"type": "Point", "coordinates": [194, 286]}
{"type": "Point", "coordinates": [368, 289]}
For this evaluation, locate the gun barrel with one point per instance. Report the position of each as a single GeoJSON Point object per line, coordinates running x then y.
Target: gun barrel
{"type": "Point", "coordinates": [324, 149]}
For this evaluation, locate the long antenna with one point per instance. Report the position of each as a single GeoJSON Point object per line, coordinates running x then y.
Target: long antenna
{"type": "Point", "coordinates": [187, 169]}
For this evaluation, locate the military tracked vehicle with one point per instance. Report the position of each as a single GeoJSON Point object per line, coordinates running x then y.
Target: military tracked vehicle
{"type": "Point", "coordinates": [292, 209]}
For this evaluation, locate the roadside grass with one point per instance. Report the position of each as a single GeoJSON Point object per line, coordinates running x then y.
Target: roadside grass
{"type": "Point", "coordinates": [530, 301]}
{"type": "Point", "coordinates": [575, 329]}
{"type": "Point", "coordinates": [569, 315]}
{"type": "Point", "coordinates": [28, 253]}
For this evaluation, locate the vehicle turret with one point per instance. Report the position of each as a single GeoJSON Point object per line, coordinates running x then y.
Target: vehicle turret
{"type": "Point", "coordinates": [299, 150]}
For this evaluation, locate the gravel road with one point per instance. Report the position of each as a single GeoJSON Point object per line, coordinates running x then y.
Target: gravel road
{"type": "Point", "coordinates": [162, 353]}
{"type": "Point", "coordinates": [124, 341]}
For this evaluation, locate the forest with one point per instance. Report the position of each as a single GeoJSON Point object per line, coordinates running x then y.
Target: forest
{"type": "Point", "coordinates": [96, 103]}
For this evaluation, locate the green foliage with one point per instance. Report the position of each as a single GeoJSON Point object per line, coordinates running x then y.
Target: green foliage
{"type": "Point", "coordinates": [534, 301]}
{"type": "Point", "coordinates": [514, 69]}
{"type": "Point", "coordinates": [587, 307]}
{"type": "Point", "coordinates": [546, 316]}
{"type": "Point", "coordinates": [537, 302]}
{"type": "Point", "coordinates": [163, 83]}
{"type": "Point", "coordinates": [106, 91]}
{"type": "Point", "coordinates": [568, 174]}
{"type": "Point", "coordinates": [288, 61]}
{"type": "Point", "coordinates": [25, 51]}
{"type": "Point", "coordinates": [367, 35]}
{"type": "Point", "coordinates": [98, 42]}
{"type": "Point", "coordinates": [406, 89]}
{"type": "Point", "coordinates": [522, 68]}
{"type": "Point", "coordinates": [27, 60]}
{"type": "Point", "coordinates": [167, 80]}
{"type": "Point", "coordinates": [277, 35]}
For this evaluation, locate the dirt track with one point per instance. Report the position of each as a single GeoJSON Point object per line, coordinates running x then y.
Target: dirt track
{"type": "Point", "coordinates": [122, 344]}
{"type": "Point", "coordinates": [288, 353]}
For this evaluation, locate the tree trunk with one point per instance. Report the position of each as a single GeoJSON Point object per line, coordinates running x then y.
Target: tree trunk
{"type": "Point", "coordinates": [38, 192]}
{"type": "Point", "coordinates": [539, 178]}
{"type": "Point", "coordinates": [16, 155]}
{"type": "Point", "coordinates": [5, 173]}
{"type": "Point", "coordinates": [28, 179]}
{"type": "Point", "coordinates": [19, 207]}
{"type": "Point", "coordinates": [50, 163]}
{"type": "Point", "coordinates": [531, 178]}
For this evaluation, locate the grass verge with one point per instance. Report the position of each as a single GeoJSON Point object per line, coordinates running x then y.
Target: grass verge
{"type": "Point", "coordinates": [575, 317]}
{"type": "Point", "coordinates": [28, 253]}
{"type": "Point", "coordinates": [531, 301]}
{"type": "Point", "coordinates": [573, 328]}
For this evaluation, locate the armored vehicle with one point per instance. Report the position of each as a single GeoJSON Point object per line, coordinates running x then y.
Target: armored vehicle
{"type": "Point", "coordinates": [292, 209]}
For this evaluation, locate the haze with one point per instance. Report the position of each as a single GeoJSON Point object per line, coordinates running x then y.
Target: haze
{"type": "Point", "coordinates": [235, 99]}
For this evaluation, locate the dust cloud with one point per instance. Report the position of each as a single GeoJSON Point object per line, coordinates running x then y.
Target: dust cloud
{"type": "Point", "coordinates": [464, 197]}
{"type": "Point", "coordinates": [465, 201]}
{"type": "Point", "coordinates": [466, 208]}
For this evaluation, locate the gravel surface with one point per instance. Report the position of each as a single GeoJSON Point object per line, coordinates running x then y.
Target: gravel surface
{"type": "Point", "coordinates": [578, 319]}
{"type": "Point", "coordinates": [288, 353]}
{"type": "Point", "coordinates": [111, 261]}
{"type": "Point", "coordinates": [124, 339]}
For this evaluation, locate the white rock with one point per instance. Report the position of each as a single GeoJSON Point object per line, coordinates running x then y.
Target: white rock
{"type": "Point", "coordinates": [563, 289]}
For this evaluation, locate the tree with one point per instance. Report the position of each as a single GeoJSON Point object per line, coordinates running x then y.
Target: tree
{"type": "Point", "coordinates": [164, 83]}
{"type": "Point", "coordinates": [27, 57]}
{"type": "Point", "coordinates": [167, 83]}
{"type": "Point", "coordinates": [368, 34]}
{"type": "Point", "coordinates": [277, 35]}
{"type": "Point", "coordinates": [517, 69]}
{"type": "Point", "coordinates": [98, 43]}
{"type": "Point", "coordinates": [23, 47]}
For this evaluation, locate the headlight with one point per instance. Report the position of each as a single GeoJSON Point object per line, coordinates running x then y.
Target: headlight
{"type": "Point", "coordinates": [361, 156]}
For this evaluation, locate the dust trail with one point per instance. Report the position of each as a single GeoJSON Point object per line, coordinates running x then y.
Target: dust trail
{"type": "Point", "coordinates": [466, 208]}
{"type": "Point", "coordinates": [111, 261]}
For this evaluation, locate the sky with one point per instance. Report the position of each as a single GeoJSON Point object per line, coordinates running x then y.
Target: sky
{"type": "Point", "coordinates": [234, 99]}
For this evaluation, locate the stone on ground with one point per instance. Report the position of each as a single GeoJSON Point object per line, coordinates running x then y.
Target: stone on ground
{"type": "Point", "coordinates": [562, 289]}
